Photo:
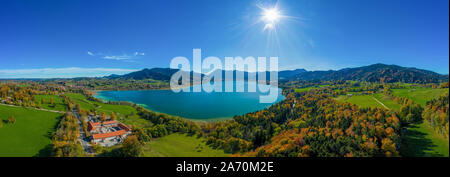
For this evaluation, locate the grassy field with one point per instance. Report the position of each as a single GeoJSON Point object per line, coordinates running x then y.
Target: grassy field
{"type": "Point", "coordinates": [387, 101]}
{"type": "Point", "coordinates": [420, 95]}
{"type": "Point", "coordinates": [59, 104]}
{"type": "Point", "coordinates": [181, 145]}
{"type": "Point", "coordinates": [309, 88]}
{"type": "Point", "coordinates": [421, 141]}
{"type": "Point", "coordinates": [364, 101]}
{"type": "Point", "coordinates": [126, 114]}
{"type": "Point", "coordinates": [30, 135]}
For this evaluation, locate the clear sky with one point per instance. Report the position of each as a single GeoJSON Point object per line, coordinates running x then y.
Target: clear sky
{"type": "Point", "coordinates": [92, 38]}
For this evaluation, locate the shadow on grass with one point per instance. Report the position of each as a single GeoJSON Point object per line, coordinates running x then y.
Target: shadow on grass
{"type": "Point", "coordinates": [45, 152]}
{"type": "Point", "coordinates": [415, 144]}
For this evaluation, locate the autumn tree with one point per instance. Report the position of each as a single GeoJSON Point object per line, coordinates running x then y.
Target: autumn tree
{"type": "Point", "coordinates": [437, 115]}
{"type": "Point", "coordinates": [113, 116]}
{"type": "Point", "coordinates": [65, 138]}
{"type": "Point", "coordinates": [131, 147]}
{"type": "Point", "coordinates": [103, 116]}
{"type": "Point", "coordinates": [11, 120]}
{"type": "Point", "coordinates": [78, 107]}
{"type": "Point", "coordinates": [51, 101]}
{"type": "Point", "coordinates": [70, 106]}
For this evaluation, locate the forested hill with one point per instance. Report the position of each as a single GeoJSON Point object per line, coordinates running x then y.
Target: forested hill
{"type": "Point", "coordinates": [375, 73]}
{"type": "Point", "coordinates": [371, 73]}
{"type": "Point", "coordinates": [154, 73]}
{"type": "Point", "coordinates": [164, 74]}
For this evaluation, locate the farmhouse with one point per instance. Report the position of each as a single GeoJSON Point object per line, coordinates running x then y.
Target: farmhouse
{"type": "Point", "coordinates": [108, 133]}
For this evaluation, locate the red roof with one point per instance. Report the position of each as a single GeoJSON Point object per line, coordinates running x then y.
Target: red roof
{"type": "Point", "coordinates": [110, 122]}
{"type": "Point", "coordinates": [91, 125]}
{"type": "Point", "coordinates": [110, 134]}
{"type": "Point", "coordinates": [123, 126]}
{"type": "Point", "coordinates": [96, 123]}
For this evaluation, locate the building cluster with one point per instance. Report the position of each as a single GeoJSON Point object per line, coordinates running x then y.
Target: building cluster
{"type": "Point", "coordinates": [108, 133]}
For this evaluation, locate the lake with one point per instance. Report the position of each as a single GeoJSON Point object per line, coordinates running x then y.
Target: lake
{"type": "Point", "coordinates": [194, 105]}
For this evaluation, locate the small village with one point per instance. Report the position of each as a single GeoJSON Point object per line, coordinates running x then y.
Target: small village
{"type": "Point", "coordinates": [108, 133]}
{"type": "Point", "coordinates": [105, 133]}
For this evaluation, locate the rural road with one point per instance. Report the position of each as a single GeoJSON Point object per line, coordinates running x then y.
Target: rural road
{"type": "Point", "coordinates": [82, 137]}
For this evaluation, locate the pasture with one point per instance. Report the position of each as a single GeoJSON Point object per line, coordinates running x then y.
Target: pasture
{"type": "Point", "coordinates": [125, 113]}
{"type": "Point", "coordinates": [181, 145]}
{"type": "Point", "coordinates": [421, 141]}
{"type": "Point", "coordinates": [363, 101]}
{"type": "Point", "coordinates": [58, 102]}
{"type": "Point", "coordinates": [309, 88]}
{"type": "Point", "coordinates": [388, 101]}
{"type": "Point", "coordinates": [420, 95]}
{"type": "Point", "coordinates": [30, 135]}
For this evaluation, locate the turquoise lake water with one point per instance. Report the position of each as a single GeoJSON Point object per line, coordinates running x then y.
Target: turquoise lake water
{"type": "Point", "coordinates": [194, 105]}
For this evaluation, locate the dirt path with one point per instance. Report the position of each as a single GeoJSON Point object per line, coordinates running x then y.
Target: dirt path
{"type": "Point", "coordinates": [380, 103]}
{"type": "Point", "coordinates": [41, 109]}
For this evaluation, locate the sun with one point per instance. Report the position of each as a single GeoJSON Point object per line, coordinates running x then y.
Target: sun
{"type": "Point", "coordinates": [271, 15]}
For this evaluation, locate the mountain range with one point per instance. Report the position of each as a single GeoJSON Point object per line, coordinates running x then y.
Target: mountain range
{"type": "Point", "coordinates": [376, 73]}
{"type": "Point", "coordinates": [371, 73]}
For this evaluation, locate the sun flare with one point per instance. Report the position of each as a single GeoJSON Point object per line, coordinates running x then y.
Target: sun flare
{"type": "Point", "coordinates": [271, 15]}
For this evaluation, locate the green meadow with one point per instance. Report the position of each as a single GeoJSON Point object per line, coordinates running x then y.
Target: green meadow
{"type": "Point", "coordinates": [125, 113]}
{"type": "Point", "coordinates": [181, 145]}
{"type": "Point", "coordinates": [421, 141]}
{"type": "Point", "coordinates": [59, 102]}
{"type": "Point", "coordinates": [419, 95]}
{"type": "Point", "coordinates": [387, 100]}
{"type": "Point", "coordinates": [309, 88]}
{"type": "Point", "coordinates": [363, 101]}
{"type": "Point", "coordinates": [30, 135]}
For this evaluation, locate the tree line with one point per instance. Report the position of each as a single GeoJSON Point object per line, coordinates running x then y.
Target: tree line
{"type": "Point", "coordinates": [436, 114]}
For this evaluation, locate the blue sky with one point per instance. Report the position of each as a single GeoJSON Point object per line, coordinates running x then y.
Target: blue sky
{"type": "Point", "coordinates": [93, 38]}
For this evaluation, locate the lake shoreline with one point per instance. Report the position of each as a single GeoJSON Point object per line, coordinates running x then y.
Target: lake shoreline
{"type": "Point", "coordinates": [194, 106]}
{"type": "Point", "coordinates": [205, 120]}
{"type": "Point", "coordinates": [94, 92]}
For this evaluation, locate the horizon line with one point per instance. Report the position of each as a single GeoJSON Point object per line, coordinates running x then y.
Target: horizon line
{"type": "Point", "coordinates": [79, 72]}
